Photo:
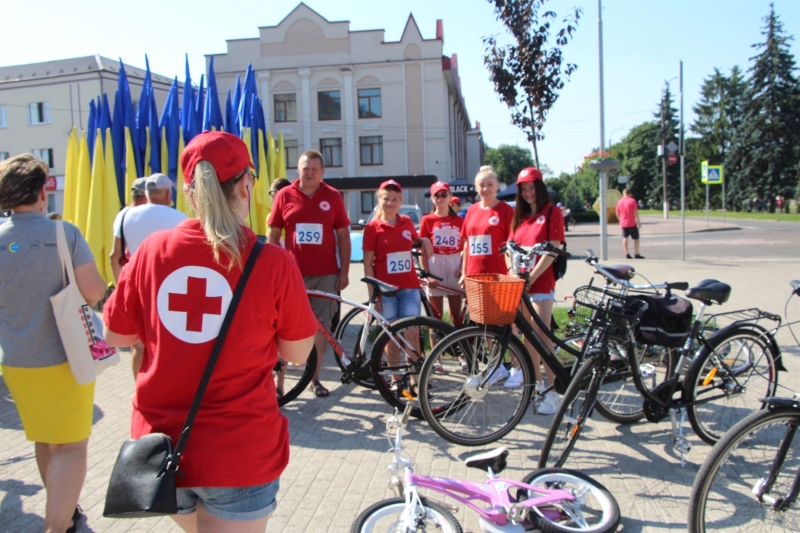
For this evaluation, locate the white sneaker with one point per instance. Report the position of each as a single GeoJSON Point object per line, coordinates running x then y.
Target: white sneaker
{"type": "Point", "coordinates": [550, 404]}
{"type": "Point", "coordinates": [514, 380]}
{"type": "Point", "coordinates": [500, 373]}
{"type": "Point", "coordinates": [540, 388]}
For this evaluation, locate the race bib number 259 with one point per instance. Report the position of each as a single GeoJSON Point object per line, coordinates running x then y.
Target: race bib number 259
{"type": "Point", "coordinates": [308, 234]}
{"type": "Point", "coordinates": [480, 245]}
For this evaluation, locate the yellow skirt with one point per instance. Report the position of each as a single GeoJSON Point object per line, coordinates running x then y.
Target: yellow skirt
{"type": "Point", "coordinates": [54, 409]}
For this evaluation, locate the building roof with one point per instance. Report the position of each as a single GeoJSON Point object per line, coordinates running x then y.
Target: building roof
{"type": "Point", "coordinates": [407, 182]}
{"type": "Point", "coordinates": [69, 67]}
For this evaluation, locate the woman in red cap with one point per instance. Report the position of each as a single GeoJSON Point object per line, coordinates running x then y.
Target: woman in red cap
{"type": "Point", "coordinates": [173, 296]}
{"type": "Point", "coordinates": [535, 221]}
{"type": "Point", "coordinates": [443, 227]}
{"type": "Point", "coordinates": [486, 228]}
{"type": "Point", "coordinates": [388, 240]}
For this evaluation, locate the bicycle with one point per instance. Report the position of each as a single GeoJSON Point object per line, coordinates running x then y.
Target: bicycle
{"type": "Point", "coordinates": [394, 358]}
{"type": "Point", "coordinates": [712, 375]}
{"type": "Point", "coordinates": [456, 403]}
{"type": "Point", "coordinates": [751, 478]}
{"type": "Point", "coordinates": [551, 501]}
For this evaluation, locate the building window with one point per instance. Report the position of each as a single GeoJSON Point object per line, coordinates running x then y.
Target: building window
{"type": "Point", "coordinates": [367, 201]}
{"type": "Point", "coordinates": [371, 150]}
{"type": "Point", "coordinates": [331, 151]}
{"type": "Point", "coordinates": [285, 108]}
{"type": "Point", "coordinates": [369, 103]}
{"type": "Point", "coordinates": [51, 203]}
{"type": "Point", "coordinates": [3, 116]}
{"type": "Point", "coordinates": [290, 154]}
{"type": "Point", "coordinates": [330, 105]}
{"type": "Point", "coordinates": [3, 156]}
{"type": "Point", "coordinates": [45, 154]}
{"type": "Point", "coordinates": [39, 113]}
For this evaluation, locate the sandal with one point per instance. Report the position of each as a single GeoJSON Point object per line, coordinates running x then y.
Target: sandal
{"type": "Point", "coordinates": [319, 390]}
{"type": "Point", "coordinates": [438, 368]}
{"type": "Point", "coordinates": [76, 516]}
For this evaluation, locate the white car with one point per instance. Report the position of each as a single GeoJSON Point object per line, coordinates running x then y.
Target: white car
{"type": "Point", "coordinates": [356, 239]}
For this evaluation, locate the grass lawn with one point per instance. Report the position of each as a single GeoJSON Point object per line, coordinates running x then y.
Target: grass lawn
{"type": "Point", "coordinates": [780, 217]}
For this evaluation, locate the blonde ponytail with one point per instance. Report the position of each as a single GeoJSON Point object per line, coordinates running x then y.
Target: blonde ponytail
{"type": "Point", "coordinates": [212, 201]}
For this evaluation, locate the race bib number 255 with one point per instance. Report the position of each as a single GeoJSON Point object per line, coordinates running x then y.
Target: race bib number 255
{"type": "Point", "coordinates": [480, 245]}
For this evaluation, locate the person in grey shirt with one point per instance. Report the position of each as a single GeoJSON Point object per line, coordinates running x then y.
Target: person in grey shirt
{"type": "Point", "coordinates": [56, 412]}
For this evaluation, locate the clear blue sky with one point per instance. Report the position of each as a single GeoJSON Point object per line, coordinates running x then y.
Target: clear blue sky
{"type": "Point", "coordinates": [643, 43]}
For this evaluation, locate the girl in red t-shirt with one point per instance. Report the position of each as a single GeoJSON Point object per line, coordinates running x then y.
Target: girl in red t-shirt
{"type": "Point", "coordinates": [443, 228]}
{"type": "Point", "coordinates": [535, 221]}
{"type": "Point", "coordinates": [486, 228]}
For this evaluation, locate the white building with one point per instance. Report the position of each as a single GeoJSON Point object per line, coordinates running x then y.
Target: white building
{"type": "Point", "coordinates": [41, 102]}
{"type": "Point", "coordinates": [372, 108]}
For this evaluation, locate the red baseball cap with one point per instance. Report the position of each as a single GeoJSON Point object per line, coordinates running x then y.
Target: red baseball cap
{"type": "Point", "coordinates": [390, 183]}
{"type": "Point", "coordinates": [227, 154]}
{"type": "Point", "coordinates": [528, 175]}
{"type": "Point", "coordinates": [440, 186]}
{"type": "Point", "coordinates": [455, 200]}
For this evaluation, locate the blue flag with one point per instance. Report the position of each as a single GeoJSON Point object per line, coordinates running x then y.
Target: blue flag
{"type": "Point", "coordinates": [212, 114]}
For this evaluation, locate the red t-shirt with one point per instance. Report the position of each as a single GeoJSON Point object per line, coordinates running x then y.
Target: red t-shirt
{"type": "Point", "coordinates": [310, 222]}
{"type": "Point", "coordinates": [174, 296]}
{"type": "Point", "coordinates": [485, 231]}
{"type": "Point", "coordinates": [392, 246]}
{"type": "Point", "coordinates": [444, 233]}
{"type": "Point", "coordinates": [534, 230]}
{"type": "Point", "coordinates": [626, 212]}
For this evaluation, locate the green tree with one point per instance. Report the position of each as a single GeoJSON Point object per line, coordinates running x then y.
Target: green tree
{"type": "Point", "coordinates": [639, 161]}
{"type": "Point", "coordinates": [764, 159]}
{"type": "Point", "coordinates": [529, 74]}
{"type": "Point", "coordinates": [667, 116]}
{"type": "Point", "coordinates": [508, 160]}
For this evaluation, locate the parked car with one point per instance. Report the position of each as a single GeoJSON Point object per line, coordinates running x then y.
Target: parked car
{"type": "Point", "coordinates": [356, 238]}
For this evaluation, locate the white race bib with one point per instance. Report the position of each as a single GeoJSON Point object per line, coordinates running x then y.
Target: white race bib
{"type": "Point", "coordinates": [398, 263]}
{"type": "Point", "coordinates": [445, 237]}
{"type": "Point", "coordinates": [308, 234]}
{"type": "Point", "coordinates": [480, 245]}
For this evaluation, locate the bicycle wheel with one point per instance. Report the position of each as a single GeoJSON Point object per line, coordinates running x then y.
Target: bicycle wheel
{"type": "Point", "coordinates": [291, 380]}
{"type": "Point", "coordinates": [571, 223]}
{"type": "Point", "coordinates": [394, 369]}
{"type": "Point", "coordinates": [593, 510]}
{"type": "Point", "coordinates": [722, 494]}
{"type": "Point", "coordinates": [576, 407]}
{"type": "Point", "coordinates": [349, 336]}
{"type": "Point", "coordinates": [469, 405]}
{"type": "Point", "coordinates": [618, 399]}
{"type": "Point", "coordinates": [730, 380]}
{"type": "Point", "coordinates": [385, 516]}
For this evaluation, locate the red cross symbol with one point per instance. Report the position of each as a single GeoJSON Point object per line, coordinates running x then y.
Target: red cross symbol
{"type": "Point", "coordinates": [195, 303]}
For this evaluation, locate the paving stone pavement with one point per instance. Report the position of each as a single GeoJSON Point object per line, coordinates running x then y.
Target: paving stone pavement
{"type": "Point", "coordinates": [339, 450]}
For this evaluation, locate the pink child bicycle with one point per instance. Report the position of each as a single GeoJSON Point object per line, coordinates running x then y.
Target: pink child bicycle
{"type": "Point", "coordinates": [550, 500]}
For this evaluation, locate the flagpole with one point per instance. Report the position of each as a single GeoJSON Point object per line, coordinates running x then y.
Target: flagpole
{"type": "Point", "coordinates": [603, 174]}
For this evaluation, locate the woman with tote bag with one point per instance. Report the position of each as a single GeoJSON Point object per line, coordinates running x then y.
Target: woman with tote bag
{"type": "Point", "coordinates": [56, 412]}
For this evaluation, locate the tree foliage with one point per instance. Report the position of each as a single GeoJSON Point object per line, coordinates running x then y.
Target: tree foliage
{"type": "Point", "coordinates": [507, 161]}
{"type": "Point", "coordinates": [529, 74]}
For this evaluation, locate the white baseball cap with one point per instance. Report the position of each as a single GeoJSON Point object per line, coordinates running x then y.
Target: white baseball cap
{"type": "Point", "coordinates": [159, 181]}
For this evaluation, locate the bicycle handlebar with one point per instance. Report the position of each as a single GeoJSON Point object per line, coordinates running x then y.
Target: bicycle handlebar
{"type": "Point", "coordinates": [425, 274]}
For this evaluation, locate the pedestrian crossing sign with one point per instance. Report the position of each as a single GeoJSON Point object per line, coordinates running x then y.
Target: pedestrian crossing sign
{"type": "Point", "coordinates": [712, 174]}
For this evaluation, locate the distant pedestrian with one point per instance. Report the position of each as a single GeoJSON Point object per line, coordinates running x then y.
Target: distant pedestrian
{"type": "Point", "coordinates": [120, 256]}
{"type": "Point", "coordinates": [628, 215]}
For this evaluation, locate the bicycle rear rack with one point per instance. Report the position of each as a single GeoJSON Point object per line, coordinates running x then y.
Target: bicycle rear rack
{"type": "Point", "coordinates": [752, 315]}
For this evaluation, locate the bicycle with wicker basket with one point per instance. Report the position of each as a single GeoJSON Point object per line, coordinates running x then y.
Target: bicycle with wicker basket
{"type": "Point", "coordinates": [472, 407]}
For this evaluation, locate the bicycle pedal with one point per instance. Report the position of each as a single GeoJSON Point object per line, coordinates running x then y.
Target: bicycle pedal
{"type": "Point", "coordinates": [517, 512]}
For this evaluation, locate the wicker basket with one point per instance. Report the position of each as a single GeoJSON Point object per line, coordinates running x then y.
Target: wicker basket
{"type": "Point", "coordinates": [493, 299]}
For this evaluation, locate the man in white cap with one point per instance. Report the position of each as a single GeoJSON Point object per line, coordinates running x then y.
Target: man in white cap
{"type": "Point", "coordinates": [119, 255]}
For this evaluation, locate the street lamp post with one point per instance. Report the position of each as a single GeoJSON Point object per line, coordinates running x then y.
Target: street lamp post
{"type": "Point", "coordinates": [603, 184]}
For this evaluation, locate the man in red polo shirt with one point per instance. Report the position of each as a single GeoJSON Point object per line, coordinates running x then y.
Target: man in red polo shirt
{"type": "Point", "coordinates": [316, 223]}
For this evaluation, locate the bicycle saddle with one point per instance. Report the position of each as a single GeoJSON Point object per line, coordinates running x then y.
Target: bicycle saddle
{"type": "Point", "coordinates": [623, 272]}
{"type": "Point", "coordinates": [381, 288]}
{"type": "Point", "coordinates": [710, 290]}
{"type": "Point", "coordinates": [494, 459]}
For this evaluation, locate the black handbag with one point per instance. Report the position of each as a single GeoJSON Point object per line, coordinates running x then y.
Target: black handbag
{"type": "Point", "coordinates": [559, 261]}
{"type": "Point", "coordinates": [143, 479]}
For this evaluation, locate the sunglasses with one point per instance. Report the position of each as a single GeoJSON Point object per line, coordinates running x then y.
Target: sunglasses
{"type": "Point", "coordinates": [441, 195]}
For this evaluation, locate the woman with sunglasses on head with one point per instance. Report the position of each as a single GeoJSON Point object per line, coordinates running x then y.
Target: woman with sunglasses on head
{"type": "Point", "coordinates": [536, 221]}
{"type": "Point", "coordinates": [443, 227]}
{"type": "Point", "coordinates": [174, 295]}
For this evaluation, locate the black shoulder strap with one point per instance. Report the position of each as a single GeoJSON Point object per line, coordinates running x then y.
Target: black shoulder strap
{"type": "Point", "coordinates": [212, 360]}
{"type": "Point", "coordinates": [122, 231]}
{"type": "Point", "coordinates": [548, 222]}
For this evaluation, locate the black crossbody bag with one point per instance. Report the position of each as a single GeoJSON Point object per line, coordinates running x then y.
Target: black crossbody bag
{"type": "Point", "coordinates": [143, 479]}
{"type": "Point", "coordinates": [559, 262]}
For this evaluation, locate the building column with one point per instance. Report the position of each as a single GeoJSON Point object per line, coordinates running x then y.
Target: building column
{"type": "Point", "coordinates": [305, 75]}
{"type": "Point", "coordinates": [264, 77]}
{"type": "Point", "coordinates": [348, 112]}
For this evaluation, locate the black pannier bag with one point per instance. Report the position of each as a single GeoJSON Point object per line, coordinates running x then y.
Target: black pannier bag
{"type": "Point", "coordinates": [666, 322]}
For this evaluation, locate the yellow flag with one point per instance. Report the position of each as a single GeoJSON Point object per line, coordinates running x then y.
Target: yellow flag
{"type": "Point", "coordinates": [130, 167]}
{"type": "Point", "coordinates": [148, 171]}
{"type": "Point", "coordinates": [271, 157]}
{"type": "Point", "coordinates": [84, 183]}
{"type": "Point", "coordinates": [251, 217]}
{"type": "Point", "coordinates": [110, 204]}
{"type": "Point", "coordinates": [280, 159]}
{"type": "Point", "coordinates": [261, 189]}
{"type": "Point", "coordinates": [71, 176]}
{"type": "Point", "coordinates": [181, 202]}
{"type": "Point", "coordinates": [95, 224]}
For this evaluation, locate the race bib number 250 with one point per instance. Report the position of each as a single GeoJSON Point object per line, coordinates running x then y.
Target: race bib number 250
{"type": "Point", "coordinates": [480, 245]}
{"type": "Point", "coordinates": [398, 262]}
{"type": "Point", "coordinates": [308, 234]}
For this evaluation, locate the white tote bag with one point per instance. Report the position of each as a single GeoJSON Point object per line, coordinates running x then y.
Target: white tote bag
{"type": "Point", "coordinates": [80, 330]}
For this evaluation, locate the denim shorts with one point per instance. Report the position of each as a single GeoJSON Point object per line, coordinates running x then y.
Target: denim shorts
{"type": "Point", "coordinates": [408, 302]}
{"type": "Point", "coordinates": [230, 503]}
{"type": "Point", "coordinates": [542, 296]}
